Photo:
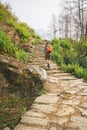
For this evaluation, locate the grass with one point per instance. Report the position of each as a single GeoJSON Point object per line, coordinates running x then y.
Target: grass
{"type": "Point", "coordinates": [11, 110]}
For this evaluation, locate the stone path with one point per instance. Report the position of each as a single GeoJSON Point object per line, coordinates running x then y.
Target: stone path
{"type": "Point", "coordinates": [63, 107]}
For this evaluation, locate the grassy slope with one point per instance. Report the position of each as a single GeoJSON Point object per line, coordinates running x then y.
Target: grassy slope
{"type": "Point", "coordinates": [12, 108]}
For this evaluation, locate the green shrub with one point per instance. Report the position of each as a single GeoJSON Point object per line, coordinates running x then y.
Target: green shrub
{"type": "Point", "coordinates": [55, 41]}
{"type": "Point", "coordinates": [85, 74]}
{"type": "Point", "coordinates": [2, 15]}
{"type": "Point", "coordinates": [70, 57]}
{"type": "Point", "coordinates": [22, 30]}
{"type": "Point", "coordinates": [5, 13]}
{"type": "Point", "coordinates": [56, 54]}
{"type": "Point", "coordinates": [79, 72]}
{"type": "Point", "coordinates": [21, 55]}
{"type": "Point", "coordinates": [36, 40]}
{"type": "Point", "coordinates": [65, 44]}
{"type": "Point", "coordinates": [57, 57]}
{"type": "Point", "coordinates": [82, 61]}
{"type": "Point", "coordinates": [6, 46]}
{"type": "Point", "coordinates": [11, 23]}
{"type": "Point", "coordinates": [69, 68]}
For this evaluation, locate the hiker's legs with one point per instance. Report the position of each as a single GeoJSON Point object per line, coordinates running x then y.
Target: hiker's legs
{"type": "Point", "coordinates": [48, 63]}
{"type": "Point", "coordinates": [48, 59]}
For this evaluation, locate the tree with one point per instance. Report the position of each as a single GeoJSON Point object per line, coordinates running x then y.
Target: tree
{"type": "Point", "coordinates": [53, 27]}
{"type": "Point", "coordinates": [74, 18]}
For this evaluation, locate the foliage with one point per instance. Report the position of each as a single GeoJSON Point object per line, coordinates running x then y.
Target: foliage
{"type": "Point", "coordinates": [21, 29]}
{"type": "Point", "coordinates": [55, 41]}
{"type": "Point", "coordinates": [71, 56]}
{"type": "Point", "coordinates": [65, 44]}
{"type": "Point", "coordinates": [7, 46]}
{"type": "Point", "coordinates": [69, 68]}
{"type": "Point", "coordinates": [79, 72]}
{"type": "Point", "coordinates": [24, 31]}
{"type": "Point", "coordinates": [22, 55]}
{"type": "Point", "coordinates": [2, 15]}
{"type": "Point", "coordinates": [5, 13]}
{"type": "Point", "coordinates": [75, 69]}
{"type": "Point", "coordinates": [37, 39]}
{"type": "Point", "coordinates": [11, 109]}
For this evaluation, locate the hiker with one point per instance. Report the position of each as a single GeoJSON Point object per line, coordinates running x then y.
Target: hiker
{"type": "Point", "coordinates": [47, 51]}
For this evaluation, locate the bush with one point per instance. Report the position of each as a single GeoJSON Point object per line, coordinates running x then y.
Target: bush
{"type": "Point", "coordinates": [65, 44]}
{"type": "Point", "coordinates": [71, 56]}
{"type": "Point", "coordinates": [36, 40]}
{"type": "Point", "coordinates": [82, 61]}
{"type": "Point", "coordinates": [85, 74]}
{"type": "Point", "coordinates": [22, 31]}
{"type": "Point", "coordinates": [57, 54]}
{"type": "Point", "coordinates": [6, 46]}
{"type": "Point", "coordinates": [55, 41]}
{"type": "Point", "coordinates": [21, 55]}
{"type": "Point", "coordinates": [2, 15]}
{"type": "Point", "coordinates": [79, 72]}
{"type": "Point", "coordinates": [69, 68]}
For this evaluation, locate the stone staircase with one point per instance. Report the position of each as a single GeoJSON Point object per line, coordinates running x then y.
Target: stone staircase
{"type": "Point", "coordinates": [63, 107]}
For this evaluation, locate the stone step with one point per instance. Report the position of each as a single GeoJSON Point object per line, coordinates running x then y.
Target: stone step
{"type": "Point", "coordinates": [38, 59]}
{"type": "Point", "coordinates": [36, 63]}
{"type": "Point", "coordinates": [62, 107]}
{"type": "Point", "coordinates": [52, 71]}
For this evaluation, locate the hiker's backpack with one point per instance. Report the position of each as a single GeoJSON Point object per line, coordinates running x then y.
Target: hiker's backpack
{"type": "Point", "coordinates": [44, 49]}
{"type": "Point", "coordinates": [48, 48]}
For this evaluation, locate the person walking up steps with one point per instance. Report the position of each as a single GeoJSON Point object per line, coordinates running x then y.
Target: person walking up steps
{"type": "Point", "coordinates": [48, 51]}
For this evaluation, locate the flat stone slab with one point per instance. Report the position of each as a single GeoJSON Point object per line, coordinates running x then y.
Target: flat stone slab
{"type": "Point", "coordinates": [66, 77]}
{"type": "Point", "coordinates": [61, 74]}
{"type": "Point", "coordinates": [84, 92]}
{"type": "Point", "coordinates": [53, 128]}
{"type": "Point", "coordinates": [79, 122]}
{"type": "Point", "coordinates": [65, 110]}
{"type": "Point", "coordinates": [44, 108]}
{"type": "Point", "coordinates": [24, 127]}
{"type": "Point", "coordinates": [72, 90]}
{"type": "Point", "coordinates": [35, 121]}
{"type": "Point", "coordinates": [52, 99]}
{"type": "Point", "coordinates": [67, 96]}
{"type": "Point", "coordinates": [77, 82]}
{"type": "Point", "coordinates": [84, 104]}
{"type": "Point", "coordinates": [53, 80]}
{"type": "Point", "coordinates": [83, 111]}
{"type": "Point", "coordinates": [6, 128]}
{"type": "Point", "coordinates": [73, 102]}
{"type": "Point", "coordinates": [34, 114]}
{"type": "Point", "coordinates": [60, 120]}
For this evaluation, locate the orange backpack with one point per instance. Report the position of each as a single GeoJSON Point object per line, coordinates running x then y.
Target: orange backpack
{"type": "Point", "coordinates": [48, 48]}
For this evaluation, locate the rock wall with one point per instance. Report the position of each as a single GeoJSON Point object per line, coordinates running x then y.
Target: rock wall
{"type": "Point", "coordinates": [20, 79]}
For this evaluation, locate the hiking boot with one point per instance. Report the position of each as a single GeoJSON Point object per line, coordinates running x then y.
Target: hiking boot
{"type": "Point", "coordinates": [48, 65]}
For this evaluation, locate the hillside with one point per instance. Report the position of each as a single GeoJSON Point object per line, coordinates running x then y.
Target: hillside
{"type": "Point", "coordinates": [20, 82]}
{"type": "Point", "coordinates": [14, 34]}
